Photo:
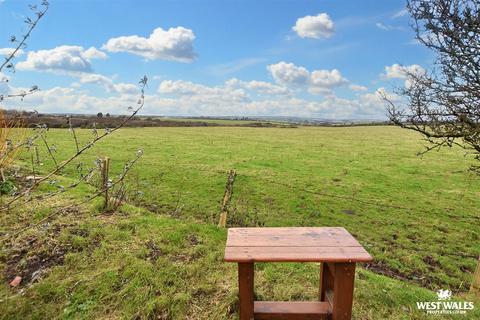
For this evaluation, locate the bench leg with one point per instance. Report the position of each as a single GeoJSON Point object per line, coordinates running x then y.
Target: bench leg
{"type": "Point", "coordinates": [344, 275]}
{"type": "Point", "coordinates": [326, 281]}
{"type": "Point", "coordinates": [245, 289]}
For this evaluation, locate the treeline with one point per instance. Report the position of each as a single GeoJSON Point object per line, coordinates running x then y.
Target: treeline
{"type": "Point", "coordinates": [32, 119]}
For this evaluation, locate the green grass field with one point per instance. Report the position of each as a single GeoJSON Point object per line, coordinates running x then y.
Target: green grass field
{"type": "Point", "coordinates": [161, 256]}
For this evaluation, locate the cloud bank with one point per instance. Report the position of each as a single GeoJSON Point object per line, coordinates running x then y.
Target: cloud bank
{"type": "Point", "coordinates": [175, 44]}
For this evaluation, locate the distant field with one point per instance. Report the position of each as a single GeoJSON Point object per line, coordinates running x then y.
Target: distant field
{"type": "Point", "coordinates": [418, 216]}
{"type": "Point", "coordinates": [217, 121]}
{"type": "Point", "coordinates": [374, 170]}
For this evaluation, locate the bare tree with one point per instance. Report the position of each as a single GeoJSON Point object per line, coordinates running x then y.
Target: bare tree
{"type": "Point", "coordinates": [443, 104]}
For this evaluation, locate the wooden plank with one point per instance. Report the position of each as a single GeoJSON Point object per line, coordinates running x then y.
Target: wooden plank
{"type": "Point", "coordinates": [227, 196]}
{"type": "Point", "coordinates": [343, 291]}
{"type": "Point", "coordinates": [326, 283]}
{"type": "Point", "coordinates": [296, 254]}
{"type": "Point", "coordinates": [291, 310]}
{"type": "Point", "coordinates": [290, 237]}
{"type": "Point", "coordinates": [245, 290]}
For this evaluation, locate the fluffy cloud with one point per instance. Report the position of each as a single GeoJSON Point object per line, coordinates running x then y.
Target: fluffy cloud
{"type": "Point", "coordinates": [173, 44]}
{"type": "Point", "coordinates": [327, 79]}
{"type": "Point", "coordinates": [316, 27]}
{"type": "Point", "coordinates": [94, 53]}
{"type": "Point", "coordinates": [74, 61]}
{"type": "Point", "coordinates": [8, 51]}
{"type": "Point", "coordinates": [188, 98]}
{"type": "Point", "coordinates": [180, 87]}
{"type": "Point", "coordinates": [373, 103]}
{"type": "Point", "coordinates": [288, 73]}
{"type": "Point", "coordinates": [63, 59]}
{"type": "Point", "coordinates": [260, 87]}
{"type": "Point", "coordinates": [189, 93]}
{"type": "Point", "coordinates": [70, 100]}
{"type": "Point", "coordinates": [317, 81]}
{"type": "Point", "coordinates": [356, 87]}
{"type": "Point", "coordinates": [397, 71]}
{"type": "Point", "coordinates": [233, 98]}
{"type": "Point", "coordinates": [107, 83]}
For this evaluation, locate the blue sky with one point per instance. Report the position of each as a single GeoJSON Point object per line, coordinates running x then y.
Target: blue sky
{"type": "Point", "coordinates": [325, 59]}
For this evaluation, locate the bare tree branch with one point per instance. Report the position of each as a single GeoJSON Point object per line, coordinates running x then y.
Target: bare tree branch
{"type": "Point", "coordinates": [63, 164]}
{"type": "Point", "coordinates": [444, 103]}
{"type": "Point", "coordinates": [32, 24]}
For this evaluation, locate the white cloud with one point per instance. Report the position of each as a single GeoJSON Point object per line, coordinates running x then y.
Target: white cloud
{"type": "Point", "coordinates": [288, 73]}
{"type": "Point", "coordinates": [374, 104]}
{"type": "Point", "coordinates": [180, 87]}
{"type": "Point", "coordinates": [202, 94]}
{"type": "Point", "coordinates": [8, 51]}
{"type": "Point", "coordinates": [4, 87]}
{"type": "Point", "coordinates": [316, 27]}
{"type": "Point", "coordinates": [317, 82]}
{"type": "Point", "coordinates": [191, 99]}
{"type": "Point", "coordinates": [107, 83]}
{"type": "Point", "coordinates": [62, 59]}
{"type": "Point", "coordinates": [397, 71]}
{"type": "Point", "coordinates": [327, 79]}
{"type": "Point", "coordinates": [94, 53]}
{"type": "Point", "coordinates": [173, 44]}
{"type": "Point", "coordinates": [356, 87]}
{"type": "Point", "coordinates": [70, 100]}
{"type": "Point", "coordinates": [321, 91]}
{"type": "Point", "coordinates": [233, 98]}
{"type": "Point", "coordinates": [400, 13]}
{"type": "Point", "coordinates": [388, 27]}
{"type": "Point", "coordinates": [260, 87]}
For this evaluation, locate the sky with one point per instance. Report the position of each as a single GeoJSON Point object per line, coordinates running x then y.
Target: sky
{"type": "Point", "coordinates": [318, 59]}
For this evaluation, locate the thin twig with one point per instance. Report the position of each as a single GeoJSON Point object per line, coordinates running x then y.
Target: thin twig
{"type": "Point", "coordinates": [120, 179]}
{"type": "Point", "coordinates": [141, 102]}
{"type": "Point", "coordinates": [32, 24]}
{"type": "Point", "coordinates": [49, 149]}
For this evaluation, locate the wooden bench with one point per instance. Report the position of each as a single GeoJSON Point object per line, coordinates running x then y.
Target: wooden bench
{"type": "Point", "coordinates": [335, 248]}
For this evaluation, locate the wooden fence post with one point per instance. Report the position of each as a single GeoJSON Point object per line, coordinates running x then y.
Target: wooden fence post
{"type": "Point", "coordinates": [475, 288]}
{"type": "Point", "coordinates": [226, 198]}
{"type": "Point", "coordinates": [105, 168]}
{"type": "Point", "coordinates": [37, 156]}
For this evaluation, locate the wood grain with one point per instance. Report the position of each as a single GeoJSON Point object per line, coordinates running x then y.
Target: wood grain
{"type": "Point", "coordinates": [245, 290]}
{"type": "Point", "coordinates": [291, 310]}
{"type": "Point", "coordinates": [290, 237]}
{"type": "Point", "coordinates": [293, 245]}
{"type": "Point", "coordinates": [343, 285]}
{"type": "Point", "coordinates": [296, 254]}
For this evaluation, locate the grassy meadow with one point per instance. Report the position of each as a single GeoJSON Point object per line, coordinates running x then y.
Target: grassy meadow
{"type": "Point", "coordinates": [160, 256]}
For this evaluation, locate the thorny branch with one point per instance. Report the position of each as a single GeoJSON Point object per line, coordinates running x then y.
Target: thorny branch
{"type": "Point", "coordinates": [63, 164]}
{"type": "Point", "coordinates": [119, 180]}
{"type": "Point", "coordinates": [22, 43]}
{"type": "Point", "coordinates": [444, 103]}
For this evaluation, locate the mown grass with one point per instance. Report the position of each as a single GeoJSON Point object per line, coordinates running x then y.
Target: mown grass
{"type": "Point", "coordinates": [140, 265]}
{"type": "Point", "coordinates": [417, 216]}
